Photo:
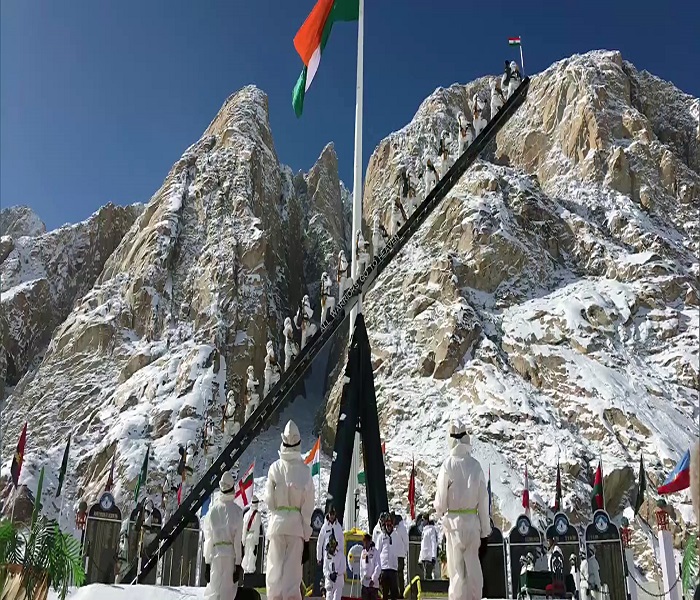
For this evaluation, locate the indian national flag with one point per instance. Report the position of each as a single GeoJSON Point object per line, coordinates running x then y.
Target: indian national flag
{"type": "Point", "coordinates": [313, 458]}
{"type": "Point", "coordinates": [311, 39]}
{"type": "Point", "coordinates": [244, 488]}
{"type": "Point", "coordinates": [515, 41]}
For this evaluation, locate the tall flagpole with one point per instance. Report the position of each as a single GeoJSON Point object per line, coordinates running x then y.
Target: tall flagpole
{"type": "Point", "coordinates": [522, 62]}
{"type": "Point", "coordinates": [349, 518]}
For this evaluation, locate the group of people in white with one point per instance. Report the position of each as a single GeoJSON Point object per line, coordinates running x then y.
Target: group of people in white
{"type": "Point", "coordinates": [461, 501]}
{"type": "Point", "coordinates": [468, 128]}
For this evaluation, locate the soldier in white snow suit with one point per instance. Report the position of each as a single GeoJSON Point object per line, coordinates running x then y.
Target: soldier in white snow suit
{"type": "Point", "coordinates": [253, 400]}
{"type": "Point", "coordinates": [168, 487]}
{"type": "Point", "coordinates": [189, 458]}
{"type": "Point", "coordinates": [327, 299]}
{"type": "Point", "coordinates": [303, 320]}
{"type": "Point", "coordinates": [431, 177]}
{"type": "Point", "coordinates": [362, 254]}
{"type": "Point", "coordinates": [428, 548]}
{"type": "Point", "coordinates": [272, 368]}
{"type": "Point", "coordinates": [334, 570]}
{"type": "Point", "coordinates": [370, 569]}
{"type": "Point", "coordinates": [497, 99]}
{"type": "Point", "coordinates": [343, 272]}
{"type": "Point", "coordinates": [222, 542]}
{"type": "Point", "coordinates": [289, 495]}
{"type": "Point", "coordinates": [511, 78]}
{"type": "Point", "coordinates": [230, 425]}
{"type": "Point", "coordinates": [444, 153]}
{"type": "Point", "coordinates": [379, 236]}
{"type": "Point", "coordinates": [291, 349]}
{"type": "Point", "coordinates": [590, 575]}
{"type": "Point", "coordinates": [466, 133]}
{"type": "Point", "coordinates": [252, 527]}
{"type": "Point", "coordinates": [477, 107]}
{"type": "Point", "coordinates": [388, 547]}
{"type": "Point", "coordinates": [331, 528]}
{"type": "Point", "coordinates": [462, 498]}
{"type": "Point", "coordinates": [402, 551]}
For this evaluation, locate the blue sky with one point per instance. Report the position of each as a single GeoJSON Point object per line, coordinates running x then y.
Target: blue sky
{"type": "Point", "coordinates": [99, 98]}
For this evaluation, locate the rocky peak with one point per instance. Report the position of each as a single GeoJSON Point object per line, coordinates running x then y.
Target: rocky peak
{"type": "Point", "coordinates": [18, 221]}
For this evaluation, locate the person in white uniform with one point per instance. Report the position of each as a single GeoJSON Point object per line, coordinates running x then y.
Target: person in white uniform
{"type": "Point", "coordinates": [462, 498]}
{"type": "Point", "coordinates": [327, 299]}
{"type": "Point", "coordinates": [334, 570]}
{"type": "Point", "coordinates": [370, 569]}
{"type": "Point", "coordinates": [291, 348]}
{"type": "Point", "coordinates": [331, 528]}
{"type": "Point", "coordinates": [252, 527]}
{"type": "Point", "coordinates": [428, 548]}
{"type": "Point", "coordinates": [222, 542]}
{"type": "Point", "coordinates": [289, 495]}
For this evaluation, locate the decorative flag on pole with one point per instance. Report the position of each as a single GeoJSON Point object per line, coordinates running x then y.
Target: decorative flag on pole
{"type": "Point", "coordinates": [488, 489]}
{"type": "Point", "coordinates": [110, 478]}
{"type": "Point", "coordinates": [142, 475]}
{"type": "Point", "coordinates": [16, 468]}
{"type": "Point", "coordinates": [642, 487]}
{"type": "Point", "coordinates": [526, 492]}
{"type": "Point", "coordinates": [679, 478]}
{"type": "Point", "coordinates": [557, 499]}
{"type": "Point", "coordinates": [515, 41]}
{"type": "Point", "coordinates": [179, 494]}
{"type": "Point", "coordinates": [244, 491]}
{"type": "Point", "coordinates": [412, 490]}
{"type": "Point", "coordinates": [361, 478]}
{"type": "Point", "coordinates": [64, 467]}
{"type": "Point", "coordinates": [37, 501]}
{"type": "Point", "coordinates": [313, 458]}
{"type": "Point", "coordinates": [597, 500]}
{"type": "Point", "coordinates": [311, 39]}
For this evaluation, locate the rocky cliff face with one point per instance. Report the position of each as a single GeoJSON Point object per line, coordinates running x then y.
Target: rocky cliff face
{"type": "Point", "coordinates": [552, 299]}
{"type": "Point", "coordinates": [43, 274]}
{"type": "Point", "coordinates": [18, 221]}
{"type": "Point", "coordinates": [182, 306]}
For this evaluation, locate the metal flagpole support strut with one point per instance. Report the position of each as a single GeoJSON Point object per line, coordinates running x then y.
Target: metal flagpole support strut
{"type": "Point", "coordinates": [350, 521]}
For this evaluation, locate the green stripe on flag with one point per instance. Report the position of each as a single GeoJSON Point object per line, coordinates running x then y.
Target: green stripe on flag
{"type": "Point", "coordinates": [315, 469]}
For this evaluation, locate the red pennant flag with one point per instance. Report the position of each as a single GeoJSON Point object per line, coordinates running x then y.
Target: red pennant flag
{"type": "Point", "coordinates": [179, 494]}
{"type": "Point", "coordinates": [412, 491]}
{"type": "Point", "coordinates": [597, 502]}
{"type": "Point", "coordinates": [557, 499]}
{"type": "Point", "coordinates": [526, 492]}
{"type": "Point", "coordinates": [16, 468]}
{"type": "Point", "coordinates": [110, 478]}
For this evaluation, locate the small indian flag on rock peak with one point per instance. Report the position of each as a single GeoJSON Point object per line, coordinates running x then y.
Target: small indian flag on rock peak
{"type": "Point", "coordinates": [514, 41]}
{"type": "Point", "coordinates": [313, 458]}
{"type": "Point", "coordinates": [311, 39]}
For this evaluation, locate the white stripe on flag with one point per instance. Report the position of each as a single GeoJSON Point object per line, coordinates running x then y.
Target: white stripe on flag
{"type": "Point", "coordinates": [313, 67]}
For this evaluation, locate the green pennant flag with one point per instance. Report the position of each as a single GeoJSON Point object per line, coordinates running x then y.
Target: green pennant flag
{"type": "Point", "coordinates": [142, 475]}
{"type": "Point", "coordinates": [642, 487]}
{"type": "Point", "coordinates": [64, 467]}
{"type": "Point", "coordinates": [37, 501]}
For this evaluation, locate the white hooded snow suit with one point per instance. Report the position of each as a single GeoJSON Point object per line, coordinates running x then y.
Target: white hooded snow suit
{"type": "Point", "coordinates": [478, 106]}
{"type": "Point", "coordinates": [462, 497]}
{"type": "Point", "coordinates": [232, 428]}
{"type": "Point", "coordinates": [590, 577]}
{"type": "Point", "coordinates": [334, 564]}
{"type": "Point", "coordinates": [222, 542]}
{"type": "Point", "coordinates": [466, 133]}
{"type": "Point", "coordinates": [430, 178]}
{"type": "Point", "coordinates": [303, 320]}
{"type": "Point", "coordinates": [272, 369]}
{"type": "Point", "coordinates": [290, 346]}
{"type": "Point", "coordinates": [496, 98]}
{"type": "Point", "coordinates": [362, 254]}
{"type": "Point", "coordinates": [342, 275]}
{"type": "Point", "coordinates": [325, 534]}
{"type": "Point", "coordinates": [445, 158]}
{"type": "Point", "coordinates": [253, 396]}
{"type": "Point", "coordinates": [428, 543]}
{"type": "Point", "coordinates": [252, 527]}
{"type": "Point", "coordinates": [289, 495]}
{"type": "Point", "coordinates": [327, 299]}
{"type": "Point", "coordinates": [370, 567]}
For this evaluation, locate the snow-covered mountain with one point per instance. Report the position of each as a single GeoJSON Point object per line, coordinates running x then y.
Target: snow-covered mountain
{"type": "Point", "coordinates": [552, 299]}
{"type": "Point", "coordinates": [184, 301]}
{"type": "Point", "coordinates": [18, 221]}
